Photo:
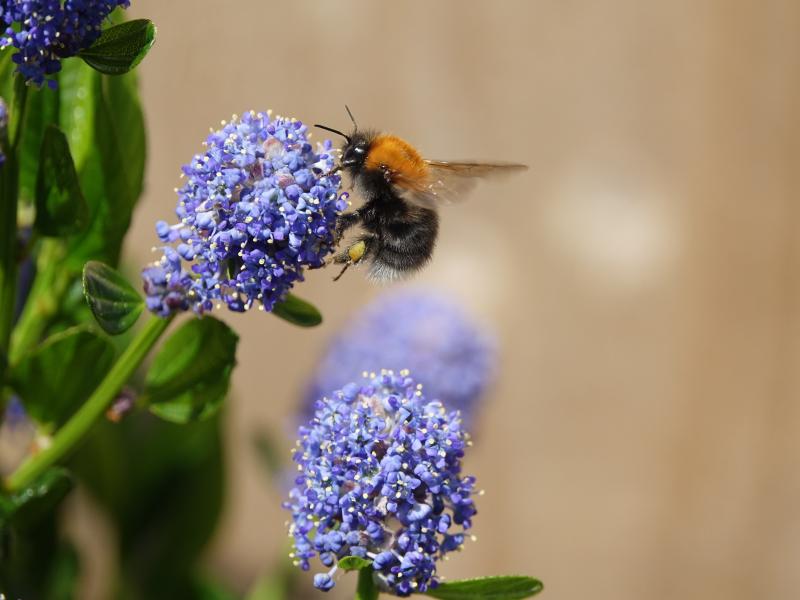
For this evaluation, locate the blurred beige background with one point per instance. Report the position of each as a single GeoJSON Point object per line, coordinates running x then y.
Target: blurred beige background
{"type": "Point", "coordinates": [643, 438]}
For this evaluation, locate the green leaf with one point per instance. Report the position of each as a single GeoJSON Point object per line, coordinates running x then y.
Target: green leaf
{"type": "Point", "coordinates": [125, 117]}
{"type": "Point", "coordinates": [504, 587]}
{"type": "Point", "coordinates": [112, 172]}
{"type": "Point", "coordinates": [58, 376]}
{"type": "Point", "coordinates": [64, 576]}
{"type": "Point", "coordinates": [102, 119]}
{"type": "Point", "coordinates": [60, 207]}
{"type": "Point", "coordinates": [76, 107]}
{"type": "Point", "coordinates": [41, 110]}
{"type": "Point", "coordinates": [25, 508]}
{"type": "Point", "coordinates": [366, 588]}
{"type": "Point", "coordinates": [7, 67]}
{"type": "Point", "coordinates": [189, 377]}
{"type": "Point", "coordinates": [121, 47]}
{"type": "Point", "coordinates": [297, 311]}
{"type": "Point", "coordinates": [354, 563]}
{"type": "Point", "coordinates": [112, 300]}
{"type": "Point", "coordinates": [35, 560]}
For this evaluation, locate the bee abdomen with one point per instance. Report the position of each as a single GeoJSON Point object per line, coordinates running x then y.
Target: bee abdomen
{"type": "Point", "coordinates": [404, 250]}
{"type": "Point", "coordinates": [391, 264]}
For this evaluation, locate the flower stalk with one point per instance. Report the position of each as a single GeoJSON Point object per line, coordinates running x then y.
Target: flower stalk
{"type": "Point", "coordinates": [81, 422]}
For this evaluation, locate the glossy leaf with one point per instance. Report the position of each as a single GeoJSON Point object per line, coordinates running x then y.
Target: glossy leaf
{"type": "Point", "coordinates": [507, 587]}
{"type": "Point", "coordinates": [58, 376]}
{"type": "Point", "coordinates": [7, 67]}
{"type": "Point", "coordinates": [297, 311]}
{"type": "Point", "coordinates": [114, 303]}
{"type": "Point", "coordinates": [112, 173]}
{"type": "Point", "coordinates": [60, 206]}
{"type": "Point", "coordinates": [41, 110]}
{"type": "Point", "coordinates": [121, 47]}
{"type": "Point", "coordinates": [25, 508]}
{"type": "Point", "coordinates": [103, 121]}
{"type": "Point", "coordinates": [189, 377]}
{"type": "Point", "coordinates": [76, 107]}
{"type": "Point", "coordinates": [354, 563]}
{"type": "Point", "coordinates": [366, 588]}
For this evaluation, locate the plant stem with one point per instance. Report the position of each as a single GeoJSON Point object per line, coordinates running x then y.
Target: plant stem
{"type": "Point", "coordinates": [8, 249]}
{"type": "Point", "coordinates": [50, 285]}
{"type": "Point", "coordinates": [366, 588]}
{"type": "Point", "coordinates": [9, 191]}
{"type": "Point", "coordinates": [79, 424]}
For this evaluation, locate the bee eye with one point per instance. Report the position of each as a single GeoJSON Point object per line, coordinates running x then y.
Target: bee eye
{"type": "Point", "coordinates": [359, 149]}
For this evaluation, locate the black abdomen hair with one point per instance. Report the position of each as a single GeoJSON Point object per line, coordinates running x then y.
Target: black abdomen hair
{"type": "Point", "coordinates": [404, 233]}
{"type": "Point", "coordinates": [405, 246]}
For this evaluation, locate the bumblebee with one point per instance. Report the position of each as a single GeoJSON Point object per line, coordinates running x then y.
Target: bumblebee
{"type": "Point", "coordinates": [402, 192]}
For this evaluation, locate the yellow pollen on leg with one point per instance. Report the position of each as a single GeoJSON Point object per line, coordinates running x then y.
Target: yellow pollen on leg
{"type": "Point", "coordinates": [356, 251]}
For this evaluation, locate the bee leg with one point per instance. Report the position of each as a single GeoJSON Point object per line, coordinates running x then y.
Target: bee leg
{"type": "Point", "coordinates": [344, 268]}
{"type": "Point", "coordinates": [344, 222]}
{"type": "Point", "coordinates": [354, 254]}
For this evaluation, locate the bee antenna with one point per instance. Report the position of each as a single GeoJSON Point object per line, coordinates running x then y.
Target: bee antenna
{"type": "Point", "coordinates": [352, 118]}
{"type": "Point", "coordinates": [332, 130]}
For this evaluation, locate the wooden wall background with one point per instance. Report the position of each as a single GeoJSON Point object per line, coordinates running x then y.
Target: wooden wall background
{"type": "Point", "coordinates": [643, 437]}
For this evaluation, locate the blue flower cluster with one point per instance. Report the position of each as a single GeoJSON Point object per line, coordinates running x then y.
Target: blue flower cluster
{"type": "Point", "coordinates": [380, 478]}
{"type": "Point", "coordinates": [45, 31]}
{"type": "Point", "coordinates": [419, 330]}
{"type": "Point", "coordinates": [258, 206]}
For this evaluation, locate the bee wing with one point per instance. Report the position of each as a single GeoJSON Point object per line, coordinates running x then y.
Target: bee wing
{"type": "Point", "coordinates": [473, 168]}
{"type": "Point", "coordinates": [449, 181]}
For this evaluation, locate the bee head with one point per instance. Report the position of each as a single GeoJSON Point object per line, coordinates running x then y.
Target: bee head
{"type": "Point", "coordinates": [354, 152]}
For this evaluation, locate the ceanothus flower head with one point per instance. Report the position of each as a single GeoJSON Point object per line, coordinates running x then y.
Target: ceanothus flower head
{"type": "Point", "coordinates": [422, 331]}
{"type": "Point", "coordinates": [379, 477]}
{"type": "Point", "coordinates": [45, 31]}
{"type": "Point", "coordinates": [258, 207]}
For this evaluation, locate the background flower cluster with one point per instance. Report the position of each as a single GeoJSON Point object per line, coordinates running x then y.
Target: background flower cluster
{"type": "Point", "coordinates": [418, 329]}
